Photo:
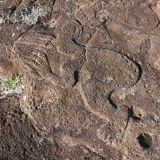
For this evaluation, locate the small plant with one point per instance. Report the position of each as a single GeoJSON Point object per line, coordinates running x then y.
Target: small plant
{"type": "Point", "coordinates": [11, 83]}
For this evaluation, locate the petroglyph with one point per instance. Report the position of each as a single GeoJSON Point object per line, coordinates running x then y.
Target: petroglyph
{"type": "Point", "coordinates": [89, 71]}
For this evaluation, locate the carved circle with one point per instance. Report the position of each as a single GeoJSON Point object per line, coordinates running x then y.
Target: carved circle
{"type": "Point", "coordinates": [86, 14]}
{"type": "Point", "coordinates": [72, 28]}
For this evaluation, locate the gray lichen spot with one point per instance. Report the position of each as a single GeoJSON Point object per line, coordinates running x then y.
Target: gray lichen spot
{"type": "Point", "coordinates": [29, 15]}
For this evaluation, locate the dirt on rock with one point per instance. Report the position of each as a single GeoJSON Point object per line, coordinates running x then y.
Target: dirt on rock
{"type": "Point", "coordinates": [89, 74]}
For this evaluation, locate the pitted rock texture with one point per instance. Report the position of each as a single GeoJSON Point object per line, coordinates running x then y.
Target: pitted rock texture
{"type": "Point", "coordinates": [87, 69]}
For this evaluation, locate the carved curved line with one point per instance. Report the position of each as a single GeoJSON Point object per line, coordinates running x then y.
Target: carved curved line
{"type": "Point", "coordinates": [136, 63]}
{"type": "Point", "coordinates": [125, 128]}
{"type": "Point", "coordinates": [81, 143]}
{"type": "Point", "coordinates": [139, 68]}
{"type": "Point", "coordinates": [138, 78]}
{"type": "Point", "coordinates": [23, 33]}
{"type": "Point", "coordinates": [155, 14]}
{"type": "Point", "coordinates": [85, 101]}
{"type": "Point", "coordinates": [111, 101]}
{"type": "Point", "coordinates": [81, 45]}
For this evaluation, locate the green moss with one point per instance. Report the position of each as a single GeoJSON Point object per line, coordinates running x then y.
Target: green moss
{"type": "Point", "coordinates": [11, 83]}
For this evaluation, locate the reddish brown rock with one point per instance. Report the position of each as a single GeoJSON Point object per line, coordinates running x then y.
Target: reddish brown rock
{"type": "Point", "coordinates": [89, 79]}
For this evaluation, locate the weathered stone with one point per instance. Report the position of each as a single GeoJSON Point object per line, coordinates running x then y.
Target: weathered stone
{"type": "Point", "coordinates": [89, 79]}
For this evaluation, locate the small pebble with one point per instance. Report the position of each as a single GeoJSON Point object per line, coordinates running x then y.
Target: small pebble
{"type": "Point", "coordinates": [145, 140]}
{"type": "Point", "coordinates": [13, 34]}
{"type": "Point", "coordinates": [24, 98]}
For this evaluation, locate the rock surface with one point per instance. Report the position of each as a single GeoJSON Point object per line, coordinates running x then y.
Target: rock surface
{"type": "Point", "coordinates": [90, 75]}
